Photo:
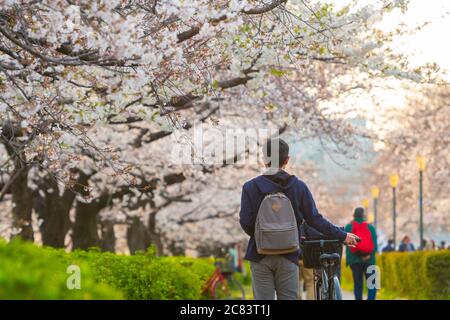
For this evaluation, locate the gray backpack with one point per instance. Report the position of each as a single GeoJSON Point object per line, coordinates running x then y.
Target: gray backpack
{"type": "Point", "coordinates": [276, 230]}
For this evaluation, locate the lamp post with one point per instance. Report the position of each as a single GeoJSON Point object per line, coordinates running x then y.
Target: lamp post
{"type": "Point", "coordinates": [421, 166]}
{"type": "Point", "coordinates": [393, 179]}
{"type": "Point", "coordinates": [365, 204]}
{"type": "Point", "coordinates": [375, 194]}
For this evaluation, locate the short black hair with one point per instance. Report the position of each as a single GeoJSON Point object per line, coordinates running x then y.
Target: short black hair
{"type": "Point", "coordinates": [282, 154]}
{"type": "Point", "coordinates": [359, 213]}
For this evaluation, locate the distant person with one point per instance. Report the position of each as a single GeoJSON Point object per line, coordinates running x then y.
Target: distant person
{"type": "Point", "coordinates": [406, 245]}
{"type": "Point", "coordinates": [442, 245]}
{"type": "Point", "coordinates": [430, 245]}
{"type": "Point", "coordinates": [273, 253]}
{"type": "Point", "coordinates": [240, 262]}
{"type": "Point", "coordinates": [306, 278]}
{"type": "Point", "coordinates": [360, 257]}
{"type": "Point", "coordinates": [306, 275]}
{"type": "Point", "coordinates": [389, 247]}
{"type": "Point", "coordinates": [433, 244]}
{"type": "Point", "coordinates": [233, 256]}
{"type": "Point", "coordinates": [424, 245]}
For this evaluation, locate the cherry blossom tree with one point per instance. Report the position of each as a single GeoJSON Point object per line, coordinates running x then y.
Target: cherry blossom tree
{"type": "Point", "coordinates": [421, 130]}
{"type": "Point", "coordinates": [92, 90]}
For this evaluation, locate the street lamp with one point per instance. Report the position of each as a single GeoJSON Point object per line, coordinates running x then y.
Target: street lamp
{"type": "Point", "coordinates": [375, 194]}
{"type": "Point", "coordinates": [421, 166]}
{"type": "Point", "coordinates": [393, 179]}
{"type": "Point", "coordinates": [365, 204]}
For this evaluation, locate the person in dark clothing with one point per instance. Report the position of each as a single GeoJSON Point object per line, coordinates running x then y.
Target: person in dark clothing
{"type": "Point", "coordinates": [278, 274]}
{"type": "Point", "coordinates": [423, 245]}
{"type": "Point", "coordinates": [389, 247]}
{"type": "Point", "coordinates": [360, 263]}
{"type": "Point", "coordinates": [406, 245]}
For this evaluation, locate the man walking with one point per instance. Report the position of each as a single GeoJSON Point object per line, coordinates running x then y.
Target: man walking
{"type": "Point", "coordinates": [360, 257]}
{"type": "Point", "coordinates": [268, 203]}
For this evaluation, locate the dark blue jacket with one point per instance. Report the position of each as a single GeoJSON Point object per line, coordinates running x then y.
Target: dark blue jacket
{"type": "Point", "coordinates": [254, 191]}
{"type": "Point", "coordinates": [406, 247]}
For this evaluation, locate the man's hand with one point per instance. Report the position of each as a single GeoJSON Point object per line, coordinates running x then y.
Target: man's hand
{"type": "Point", "coordinates": [350, 240]}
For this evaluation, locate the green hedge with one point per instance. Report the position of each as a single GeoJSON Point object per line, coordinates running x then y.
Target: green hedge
{"type": "Point", "coordinates": [144, 276]}
{"type": "Point", "coordinates": [30, 272]}
{"type": "Point", "coordinates": [417, 275]}
{"type": "Point", "coordinates": [104, 275]}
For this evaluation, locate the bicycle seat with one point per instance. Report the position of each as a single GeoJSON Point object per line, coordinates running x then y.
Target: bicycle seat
{"type": "Point", "coordinates": [330, 256]}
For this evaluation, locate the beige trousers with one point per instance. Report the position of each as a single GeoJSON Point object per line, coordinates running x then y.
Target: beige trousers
{"type": "Point", "coordinates": [306, 276]}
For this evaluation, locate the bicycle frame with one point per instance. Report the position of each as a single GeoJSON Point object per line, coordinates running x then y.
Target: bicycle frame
{"type": "Point", "coordinates": [323, 276]}
{"type": "Point", "coordinates": [326, 273]}
{"type": "Point", "coordinates": [211, 282]}
{"type": "Point", "coordinates": [320, 282]}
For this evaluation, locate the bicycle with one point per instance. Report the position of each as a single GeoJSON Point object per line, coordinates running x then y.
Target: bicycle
{"type": "Point", "coordinates": [324, 256]}
{"type": "Point", "coordinates": [221, 285]}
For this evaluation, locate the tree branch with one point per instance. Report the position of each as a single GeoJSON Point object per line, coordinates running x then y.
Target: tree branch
{"type": "Point", "coordinates": [265, 8]}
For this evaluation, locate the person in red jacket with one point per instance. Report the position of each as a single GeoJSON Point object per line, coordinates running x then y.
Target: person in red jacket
{"type": "Point", "coordinates": [362, 256]}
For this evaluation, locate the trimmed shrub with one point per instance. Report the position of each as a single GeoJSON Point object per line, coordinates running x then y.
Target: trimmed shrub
{"type": "Point", "coordinates": [145, 276]}
{"type": "Point", "coordinates": [31, 272]}
{"type": "Point", "coordinates": [416, 275]}
{"type": "Point", "coordinates": [438, 270]}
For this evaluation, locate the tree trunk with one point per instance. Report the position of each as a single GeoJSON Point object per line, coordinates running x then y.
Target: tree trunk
{"type": "Point", "coordinates": [138, 236]}
{"type": "Point", "coordinates": [54, 211]}
{"type": "Point", "coordinates": [85, 229]}
{"type": "Point", "coordinates": [22, 200]}
{"type": "Point", "coordinates": [108, 241]}
{"type": "Point", "coordinates": [21, 194]}
{"type": "Point", "coordinates": [155, 237]}
{"type": "Point", "coordinates": [56, 223]}
{"type": "Point", "coordinates": [85, 232]}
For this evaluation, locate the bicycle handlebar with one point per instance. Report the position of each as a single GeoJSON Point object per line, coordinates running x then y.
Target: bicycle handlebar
{"type": "Point", "coordinates": [323, 241]}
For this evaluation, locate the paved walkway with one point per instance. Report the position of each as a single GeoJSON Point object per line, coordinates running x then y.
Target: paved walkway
{"type": "Point", "coordinates": [346, 295]}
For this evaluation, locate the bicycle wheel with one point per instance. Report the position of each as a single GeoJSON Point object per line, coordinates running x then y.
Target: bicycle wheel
{"type": "Point", "coordinates": [317, 290]}
{"type": "Point", "coordinates": [229, 289]}
{"type": "Point", "coordinates": [325, 286]}
{"type": "Point", "coordinates": [320, 290]}
{"type": "Point", "coordinates": [335, 289]}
